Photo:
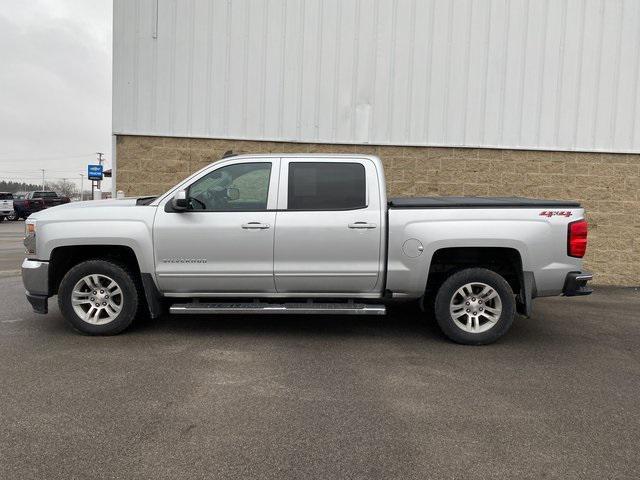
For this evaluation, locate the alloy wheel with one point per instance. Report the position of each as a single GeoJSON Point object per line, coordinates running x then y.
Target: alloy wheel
{"type": "Point", "coordinates": [97, 299]}
{"type": "Point", "coordinates": [475, 307]}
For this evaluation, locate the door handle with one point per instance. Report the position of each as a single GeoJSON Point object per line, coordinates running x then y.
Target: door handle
{"type": "Point", "coordinates": [362, 225]}
{"type": "Point", "coordinates": [255, 226]}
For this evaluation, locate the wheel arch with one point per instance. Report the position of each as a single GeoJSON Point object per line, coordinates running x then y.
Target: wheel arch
{"type": "Point", "coordinates": [505, 261]}
{"type": "Point", "coordinates": [63, 258]}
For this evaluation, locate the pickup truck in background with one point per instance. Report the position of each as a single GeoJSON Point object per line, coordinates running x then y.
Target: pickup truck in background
{"type": "Point", "coordinates": [50, 199]}
{"type": "Point", "coordinates": [6, 205]}
{"type": "Point", "coordinates": [303, 234]}
{"type": "Point", "coordinates": [23, 207]}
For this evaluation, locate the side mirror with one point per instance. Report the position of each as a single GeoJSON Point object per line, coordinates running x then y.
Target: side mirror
{"type": "Point", "coordinates": [179, 202]}
{"type": "Point", "coordinates": [233, 193]}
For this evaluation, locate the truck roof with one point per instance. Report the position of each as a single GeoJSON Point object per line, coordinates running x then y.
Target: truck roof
{"type": "Point", "coordinates": [302, 155]}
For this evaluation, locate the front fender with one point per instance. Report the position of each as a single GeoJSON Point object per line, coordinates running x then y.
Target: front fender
{"type": "Point", "coordinates": [135, 234]}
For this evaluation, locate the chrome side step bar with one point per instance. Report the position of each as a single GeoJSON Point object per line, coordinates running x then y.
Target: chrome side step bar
{"type": "Point", "coordinates": [278, 309]}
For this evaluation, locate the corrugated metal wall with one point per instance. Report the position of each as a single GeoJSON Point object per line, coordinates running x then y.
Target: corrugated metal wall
{"type": "Point", "coordinates": [548, 74]}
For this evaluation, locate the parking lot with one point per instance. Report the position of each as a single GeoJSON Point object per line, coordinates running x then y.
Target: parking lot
{"type": "Point", "coordinates": [319, 397]}
{"type": "Point", "coordinates": [11, 248]}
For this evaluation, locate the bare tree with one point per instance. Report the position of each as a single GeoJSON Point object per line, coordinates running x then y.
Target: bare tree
{"type": "Point", "coordinates": [64, 188]}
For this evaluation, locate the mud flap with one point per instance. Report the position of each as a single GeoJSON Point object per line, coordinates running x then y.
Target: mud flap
{"type": "Point", "coordinates": [524, 300]}
{"type": "Point", "coordinates": [152, 295]}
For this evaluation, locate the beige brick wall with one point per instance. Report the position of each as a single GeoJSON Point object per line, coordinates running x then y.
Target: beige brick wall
{"type": "Point", "coordinates": [608, 185]}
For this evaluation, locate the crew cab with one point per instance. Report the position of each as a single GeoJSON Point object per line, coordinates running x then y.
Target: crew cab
{"type": "Point", "coordinates": [49, 198]}
{"type": "Point", "coordinates": [303, 234]}
{"type": "Point", "coordinates": [23, 207]}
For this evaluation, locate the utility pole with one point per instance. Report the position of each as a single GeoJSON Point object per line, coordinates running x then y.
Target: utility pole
{"type": "Point", "coordinates": [42, 178]}
{"type": "Point", "coordinates": [93, 183]}
{"type": "Point", "coordinates": [81, 186]}
{"type": "Point", "coordinates": [100, 154]}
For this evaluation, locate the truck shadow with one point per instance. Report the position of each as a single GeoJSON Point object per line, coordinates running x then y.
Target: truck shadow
{"type": "Point", "coordinates": [398, 322]}
{"type": "Point", "coordinates": [403, 324]}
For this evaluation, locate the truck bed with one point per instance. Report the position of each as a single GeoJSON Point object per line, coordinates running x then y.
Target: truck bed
{"type": "Point", "coordinates": [478, 202]}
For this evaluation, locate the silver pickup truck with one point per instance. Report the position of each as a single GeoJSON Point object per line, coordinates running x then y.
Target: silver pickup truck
{"type": "Point", "coordinates": [303, 234]}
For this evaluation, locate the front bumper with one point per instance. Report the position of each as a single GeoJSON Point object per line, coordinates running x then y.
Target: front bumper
{"type": "Point", "coordinates": [39, 303]}
{"type": "Point", "coordinates": [35, 277]}
{"type": "Point", "coordinates": [576, 284]}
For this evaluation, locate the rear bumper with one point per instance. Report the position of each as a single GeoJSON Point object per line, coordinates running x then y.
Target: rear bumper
{"type": "Point", "coordinates": [35, 277]}
{"type": "Point", "coordinates": [576, 284]}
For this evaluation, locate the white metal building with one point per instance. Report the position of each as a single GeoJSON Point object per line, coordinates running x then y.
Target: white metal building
{"type": "Point", "coordinates": [534, 74]}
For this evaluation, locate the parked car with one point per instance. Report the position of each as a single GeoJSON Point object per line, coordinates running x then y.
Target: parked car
{"type": "Point", "coordinates": [6, 205]}
{"type": "Point", "coordinates": [50, 199]}
{"type": "Point", "coordinates": [23, 207]}
{"type": "Point", "coordinates": [303, 234]}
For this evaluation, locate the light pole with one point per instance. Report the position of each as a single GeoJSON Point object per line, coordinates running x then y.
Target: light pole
{"type": "Point", "coordinates": [81, 186]}
{"type": "Point", "coordinates": [42, 178]}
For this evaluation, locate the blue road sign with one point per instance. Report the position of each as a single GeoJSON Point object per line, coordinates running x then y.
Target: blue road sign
{"type": "Point", "coordinates": [94, 172]}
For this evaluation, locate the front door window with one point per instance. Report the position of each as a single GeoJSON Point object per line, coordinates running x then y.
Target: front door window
{"type": "Point", "coordinates": [243, 186]}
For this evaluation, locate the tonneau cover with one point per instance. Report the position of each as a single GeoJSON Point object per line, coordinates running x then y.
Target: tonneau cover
{"type": "Point", "coordinates": [478, 202]}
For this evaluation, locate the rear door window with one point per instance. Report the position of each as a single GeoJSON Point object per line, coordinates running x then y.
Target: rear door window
{"type": "Point", "coordinates": [326, 186]}
{"type": "Point", "coordinates": [6, 196]}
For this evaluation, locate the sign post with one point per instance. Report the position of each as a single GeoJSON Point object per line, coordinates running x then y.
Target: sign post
{"type": "Point", "coordinates": [94, 173]}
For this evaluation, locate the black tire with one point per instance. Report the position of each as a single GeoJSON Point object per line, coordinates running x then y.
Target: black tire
{"type": "Point", "coordinates": [447, 292]}
{"type": "Point", "coordinates": [1, 218]}
{"type": "Point", "coordinates": [126, 280]}
{"type": "Point", "coordinates": [13, 216]}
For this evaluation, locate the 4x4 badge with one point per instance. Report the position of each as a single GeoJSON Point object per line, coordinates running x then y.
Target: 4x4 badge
{"type": "Point", "coordinates": [555, 213]}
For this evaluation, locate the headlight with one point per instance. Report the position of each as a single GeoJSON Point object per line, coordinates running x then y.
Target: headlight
{"type": "Point", "coordinates": [30, 238]}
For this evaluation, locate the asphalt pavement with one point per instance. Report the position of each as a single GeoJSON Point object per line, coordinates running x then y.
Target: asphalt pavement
{"type": "Point", "coordinates": [11, 248]}
{"type": "Point", "coordinates": [321, 397]}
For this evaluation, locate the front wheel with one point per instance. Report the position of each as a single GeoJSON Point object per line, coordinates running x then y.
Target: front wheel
{"type": "Point", "coordinates": [98, 297]}
{"type": "Point", "coordinates": [475, 306]}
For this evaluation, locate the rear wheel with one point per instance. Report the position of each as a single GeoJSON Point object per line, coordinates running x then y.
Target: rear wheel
{"type": "Point", "coordinates": [13, 216]}
{"type": "Point", "coordinates": [475, 306]}
{"type": "Point", "coordinates": [98, 297]}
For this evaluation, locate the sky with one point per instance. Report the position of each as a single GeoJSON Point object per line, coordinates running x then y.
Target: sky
{"type": "Point", "coordinates": [55, 87]}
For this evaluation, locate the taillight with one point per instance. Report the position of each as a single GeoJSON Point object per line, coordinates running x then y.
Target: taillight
{"type": "Point", "coordinates": [26, 204]}
{"type": "Point", "coordinates": [577, 239]}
